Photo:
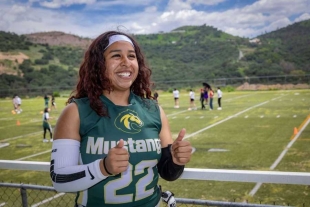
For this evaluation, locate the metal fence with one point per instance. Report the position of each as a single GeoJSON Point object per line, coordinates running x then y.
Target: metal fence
{"type": "Point", "coordinates": [240, 83]}
{"type": "Point", "coordinates": [25, 195]}
{"type": "Point", "coordinates": [34, 195]}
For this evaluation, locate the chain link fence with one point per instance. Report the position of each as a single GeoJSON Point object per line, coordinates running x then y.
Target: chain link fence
{"type": "Point", "coordinates": [26, 195]}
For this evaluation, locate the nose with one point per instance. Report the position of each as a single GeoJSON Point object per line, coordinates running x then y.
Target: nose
{"type": "Point", "coordinates": [125, 61]}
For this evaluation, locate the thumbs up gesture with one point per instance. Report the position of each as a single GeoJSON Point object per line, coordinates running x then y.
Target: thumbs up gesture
{"type": "Point", "coordinates": [181, 150]}
{"type": "Point", "coordinates": [117, 159]}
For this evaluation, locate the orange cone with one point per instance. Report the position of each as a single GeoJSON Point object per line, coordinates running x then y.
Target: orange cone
{"type": "Point", "coordinates": [295, 131]}
{"type": "Point", "coordinates": [17, 123]}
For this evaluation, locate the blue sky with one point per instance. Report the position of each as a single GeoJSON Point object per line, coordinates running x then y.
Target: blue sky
{"type": "Point", "coordinates": [89, 18]}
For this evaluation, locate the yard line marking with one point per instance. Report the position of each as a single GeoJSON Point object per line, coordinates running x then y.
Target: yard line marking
{"type": "Point", "coordinates": [278, 116]}
{"type": "Point", "coordinates": [201, 117]}
{"type": "Point", "coordinates": [228, 118]}
{"type": "Point", "coordinates": [48, 200]}
{"type": "Point", "coordinates": [262, 116]}
{"type": "Point", "coordinates": [21, 136]}
{"type": "Point", "coordinates": [176, 113]}
{"type": "Point", "coordinates": [187, 117]}
{"type": "Point", "coordinates": [278, 160]}
{"type": "Point", "coordinates": [2, 204]}
{"type": "Point", "coordinates": [33, 155]}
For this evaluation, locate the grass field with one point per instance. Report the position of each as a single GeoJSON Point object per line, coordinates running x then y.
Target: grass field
{"type": "Point", "coordinates": [253, 127]}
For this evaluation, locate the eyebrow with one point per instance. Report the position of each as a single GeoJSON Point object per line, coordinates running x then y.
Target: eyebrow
{"type": "Point", "coordinates": [120, 51]}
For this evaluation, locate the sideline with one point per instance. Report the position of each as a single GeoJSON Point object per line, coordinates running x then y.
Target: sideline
{"type": "Point", "coordinates": [278, 160]}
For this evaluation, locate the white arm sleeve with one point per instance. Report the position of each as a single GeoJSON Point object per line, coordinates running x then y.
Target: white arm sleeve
{"type": "Point", "coordinates": [66, 173]}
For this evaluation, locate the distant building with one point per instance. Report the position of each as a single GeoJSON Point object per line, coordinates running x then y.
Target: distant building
{"type": "Point", "coordinates": [255, 41]}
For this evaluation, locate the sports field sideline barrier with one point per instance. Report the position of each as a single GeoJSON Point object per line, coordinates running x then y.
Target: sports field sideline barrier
{"type": "Point", "coordinates": [299, 178]}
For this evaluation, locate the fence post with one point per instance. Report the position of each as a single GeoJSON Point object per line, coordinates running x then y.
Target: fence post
{"type": "Point", "coordinates": [23, 193]}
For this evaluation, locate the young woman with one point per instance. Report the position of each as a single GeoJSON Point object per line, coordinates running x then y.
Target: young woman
{"type": "Point", "coordinates": [112, 140]}
{"type": "Point", "coordinates": [176, 95]}
{"type": "Point", "coordinates": [47, 126]}
{"type": "Point", "coordinates": [53, 103]}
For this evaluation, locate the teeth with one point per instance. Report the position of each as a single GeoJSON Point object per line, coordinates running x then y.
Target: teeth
{"type": "Point", "coordinates": [125, 74]}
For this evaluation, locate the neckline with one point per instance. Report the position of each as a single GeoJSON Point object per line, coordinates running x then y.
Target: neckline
{"type": "Point", "coordinates": [109, 102]}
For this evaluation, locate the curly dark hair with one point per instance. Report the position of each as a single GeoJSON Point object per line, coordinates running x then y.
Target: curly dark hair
{"type": "Point", "coordinates": [92, 78]}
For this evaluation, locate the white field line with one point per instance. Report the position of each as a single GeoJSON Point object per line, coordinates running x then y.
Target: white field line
{"type": "Point", "coordinates": [177, 113]}
{"type": "Point", "coordinates": [278, 160]}
{"type": "Point", "coordinates": [228, 118]}
{"type": "Point", "coordinates": [21, 136]}
{"type": "Point", "coordinates": [48, 200]}
{"type": "Point", "coordinates": [2, 204]}
{"type": "Point", "coordinates": [33, 155]}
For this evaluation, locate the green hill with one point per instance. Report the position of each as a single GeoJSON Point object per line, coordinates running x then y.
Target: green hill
{"type": "Point", "coordinates": [284, 51]}
{"type": "Point", "coordinates": [188, 53]}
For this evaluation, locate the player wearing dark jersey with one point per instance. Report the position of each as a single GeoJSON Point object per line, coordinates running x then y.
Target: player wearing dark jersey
{"type": "Point", "coordinates": [112, 141]}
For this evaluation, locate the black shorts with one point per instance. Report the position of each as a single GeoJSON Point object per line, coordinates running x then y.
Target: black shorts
{"type": "Point", "coordinates": [192, 99]}
{"type": "Point", "coordinates": [175, 98]}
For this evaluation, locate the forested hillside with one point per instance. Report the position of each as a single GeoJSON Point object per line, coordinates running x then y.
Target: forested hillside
{"type": "Point", "coordinates": [285, 51]}
{"type": "Point", "coordinates": [185, 54]}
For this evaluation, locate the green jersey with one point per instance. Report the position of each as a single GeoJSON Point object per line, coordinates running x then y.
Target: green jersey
{"type": "Point", "coordinates": [138, 124]}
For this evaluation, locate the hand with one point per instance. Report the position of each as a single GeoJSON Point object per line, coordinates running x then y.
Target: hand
{"type": "Point", "coordinates": [181, 150]}
{"type": "Point", "coordinates": [117, 159]}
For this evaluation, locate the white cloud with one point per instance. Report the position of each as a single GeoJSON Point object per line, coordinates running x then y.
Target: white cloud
{"type": "Point", "coordinates": [63, 3]}
{"type": "Point", "coordinates": [249, 21]}
{"type": "Point", "coordinates": [302, 17]}
{"type": "Point", "coordinates": [150, 9]}
{"type": "Point", "coordinates": [204, 2]}
{"type": "Point", "coordinates": [105, 5]}
{"type": "Point", "coordinates": [176, 5]}
{"type": "Point", "coordinates": [276, 25]}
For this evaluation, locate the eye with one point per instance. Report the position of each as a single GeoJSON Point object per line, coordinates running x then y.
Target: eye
{"type": "Point", "coordinates": [132, 56]}
{"type": "Point", "coordinates": [116, 55]}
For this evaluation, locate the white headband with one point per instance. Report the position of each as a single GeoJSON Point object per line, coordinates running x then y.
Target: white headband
{"type": "Point", "coordinates": [115, 38]}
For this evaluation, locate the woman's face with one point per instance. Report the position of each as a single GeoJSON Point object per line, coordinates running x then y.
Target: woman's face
{"type": "Point", "coordinates": [121, 65]}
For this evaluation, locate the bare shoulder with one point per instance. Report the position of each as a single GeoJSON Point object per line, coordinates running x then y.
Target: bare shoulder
{"type": "Point", "coordinates": [68, 123]}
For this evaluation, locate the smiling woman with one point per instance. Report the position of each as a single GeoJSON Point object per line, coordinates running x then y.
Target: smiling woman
{"type": "Point", "coordinates": [113, 141]}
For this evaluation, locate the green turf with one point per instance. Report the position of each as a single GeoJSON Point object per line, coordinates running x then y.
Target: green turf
{"type": "Point", "coordinates": [255, 128]}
